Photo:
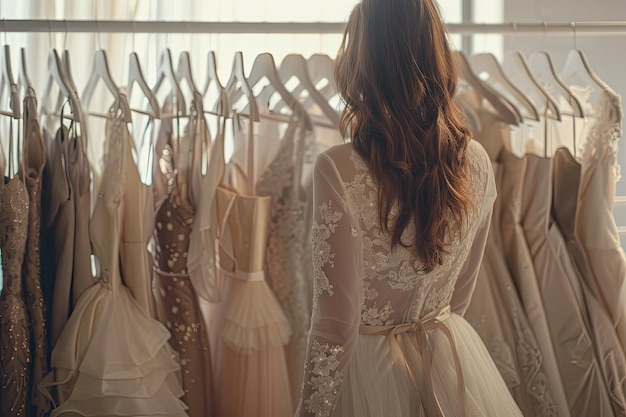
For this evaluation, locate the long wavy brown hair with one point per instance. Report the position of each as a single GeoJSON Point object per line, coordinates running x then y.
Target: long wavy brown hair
{"type": "Point", "coordinates": [396, 74]}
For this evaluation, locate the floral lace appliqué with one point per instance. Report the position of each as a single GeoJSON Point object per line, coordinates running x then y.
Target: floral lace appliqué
{"type": "Point", "coordinates": [325, 378]}
{"type": "Point", "coordinates": [321, 249]}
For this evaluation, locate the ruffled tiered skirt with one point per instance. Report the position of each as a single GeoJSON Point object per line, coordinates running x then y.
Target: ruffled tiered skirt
{"type": "Point", "coordinates": [112, 359]}
{"type": "Point", "coordinates": [250, 363]}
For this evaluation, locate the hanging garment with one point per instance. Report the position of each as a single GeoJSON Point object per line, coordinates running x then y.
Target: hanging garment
{"type": "Point", "coordinates": [520, 263]}
{"type": "Point", "coordinates": [288, 236]}
{"type": "Point", "coordinates": [497, 314]}
{"type": "Point", "coordinates": [135, 259]}
{"type": "Point", "coordinates": [176, 301]}
{"type": "Point", "coordinates": [93, 373]}
{"type": "Point", "coordinates": [249, 324]}
{"type": "Point", "coordinates": [58, 229]}
{"type": "Point", "coordinates": [384, 339]}
{"type": "Point", "coordinates": [609, 351]}
{"type": "Point", "coordinates": [251, 366]}
{"type": "Point", "coordinates": [595, 225]}
{"type": "Point", "coordinates": [201, 261]}
{"type": "Point", "coordinates": [578, 364]}
{"type": "Point", "coordinates": [15, 352]}
{"type": "Point", "coordinates": [34, 161]}
{"type": "Point", "coordinates": [496, 311]}
{"type": "Point", "coordinates": [78, 171]}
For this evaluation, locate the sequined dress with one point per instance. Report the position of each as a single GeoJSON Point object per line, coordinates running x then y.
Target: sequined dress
{"type": "Point", "coordinates": [15, 352]}
{"type": "Point", "coordinates": [177, 305]}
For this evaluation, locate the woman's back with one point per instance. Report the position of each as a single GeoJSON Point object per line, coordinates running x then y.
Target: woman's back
{"type": "Point", "coordinates": [387, 339]}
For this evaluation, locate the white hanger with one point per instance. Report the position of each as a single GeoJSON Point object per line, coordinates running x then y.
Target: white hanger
{"type": "Point", "coordinates": [541, 66]}
{"type": "Point", "coordinates": [222, 106]}
{"type": "Point", "coordinates": [166, 71]}
{"type": "Point", "coordinates": [576, 65]}
{"type": "Point", "coordinates": [100, 71]}
{"type": "Point", "coordinates": [320, 67]}
{"type": "Point", "coordinates": [507, 112]}
{"type": "Point", "coordinates": [56, 75]}
{"type": "Point", "coordinates": [486, 63]}
{"type": "Point", "coordinates": [8, 82]}
{"type": "Point", "coordinates": [237, 75]}
{"type": "Point", "coordinates": [135, 75]}
{"type": "Point", "coordinates": [264, 67]}
{"type": "Point", "coordinates": [294, 65]}
{"type": "Point", "coordinates": [516, 67]}
{"type": "Point", "coordinates": [183, 72]}
{"type": "Point", "coordinates": [22, 78]}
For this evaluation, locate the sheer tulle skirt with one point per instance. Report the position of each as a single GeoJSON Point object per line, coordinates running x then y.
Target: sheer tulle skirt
{"type": "Point", "coordinates": [375, 384]}
{"type": "Point", "coordinates": [252, 332]}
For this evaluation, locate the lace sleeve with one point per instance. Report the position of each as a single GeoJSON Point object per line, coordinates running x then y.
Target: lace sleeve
{"type": "Point", "coordinates": [484, 183]}
{"type": "Point", "coordinates": [336, 294]}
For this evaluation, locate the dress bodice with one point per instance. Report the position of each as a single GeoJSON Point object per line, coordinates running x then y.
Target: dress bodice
{"type": "Point", "coordinates": [107, 219]}
{"type": "Point", "coordinates": [246, 227]}
{"type": "Point", "coordinates": [14, 226]}
{"type": "Point", "coordinates": [394, 291]}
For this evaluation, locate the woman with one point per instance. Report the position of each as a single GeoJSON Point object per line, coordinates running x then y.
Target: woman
{"type": "Point", "coordinates": [401, 217]}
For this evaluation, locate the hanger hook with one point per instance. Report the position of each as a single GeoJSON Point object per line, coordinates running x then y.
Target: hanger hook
{"type": "Point", "coordinates": [4, 29]}
{"type": "Point", "coordinates": [573, 25]}
{"type": "Point", "coordinates": [99, 34]}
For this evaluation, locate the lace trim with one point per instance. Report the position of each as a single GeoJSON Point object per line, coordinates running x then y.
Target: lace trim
{"type": "Point", "coordinates": [325, 379]}
{"type": "Point", "coordinates": [321, 248]}
{"type": "Point", "coordinates": [602, 140]}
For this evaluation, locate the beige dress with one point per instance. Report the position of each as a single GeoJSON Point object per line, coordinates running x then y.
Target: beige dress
{"type": "Point", "coordinates": [385, 339]}
{"type": "Point", "coordinates": [609, 351]}
{"type": "Point", "coordinates": [251, 372]}
{"type": "Point", "coordinates": [580, 368]}
{"type": "Point", "coordinates": [112, 358]}
{"type": "Point", "coordinates": [136, 260]}
{"type": "Point", "coordinates": [595, 228]}
{"type": "Point", "coordinates": [497, 313]}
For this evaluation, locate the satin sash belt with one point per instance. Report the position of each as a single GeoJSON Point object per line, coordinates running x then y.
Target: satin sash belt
{"type": "Point", "coordinates": [244, 276]}
{"type": "Point", "coordinates": [423, 380]}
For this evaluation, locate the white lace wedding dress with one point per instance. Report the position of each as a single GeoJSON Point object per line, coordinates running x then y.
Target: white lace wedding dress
{"type": "Point", "coordinates": [386, 340]}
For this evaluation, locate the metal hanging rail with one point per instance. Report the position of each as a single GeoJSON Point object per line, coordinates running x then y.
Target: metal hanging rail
{"type": "Point", "coordinates": [129, 26]}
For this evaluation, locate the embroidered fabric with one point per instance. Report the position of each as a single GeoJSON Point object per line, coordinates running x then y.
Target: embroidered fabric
{"type": "Point", "coordinates": [15, 352]}
{"type": "Point", "coordinates": [359, 280]}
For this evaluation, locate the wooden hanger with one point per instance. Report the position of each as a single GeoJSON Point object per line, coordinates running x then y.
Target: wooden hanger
{"type": "Point", "coordinates": [100, 71]}
{"type": "Point", "coordinates": [541, 66]}
{"type": "Point", "coordinates": [516, 67]}
{"type": "Point", "coordinates": [237, 83]}
{"type": "Point", "coordinates": [166, 71]}
{"type": "Point", "coordinates": [505, 110]}
{"type": "Point", "coordinates": [222, 106]}
{"type": "Point", "coordinates": [486, 63]}
{"type": "Point", "coordinates": [135, 75]}
{"type": "Point", "coordinates": [56, 75]}
{"type": "Point", "coordinates": [294, 65]}
{"type": "Point", "coordinates": [577, 66]}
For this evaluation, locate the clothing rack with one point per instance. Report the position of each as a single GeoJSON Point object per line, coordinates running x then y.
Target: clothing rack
{"type": "Point", "coordinates": [129, 26]}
